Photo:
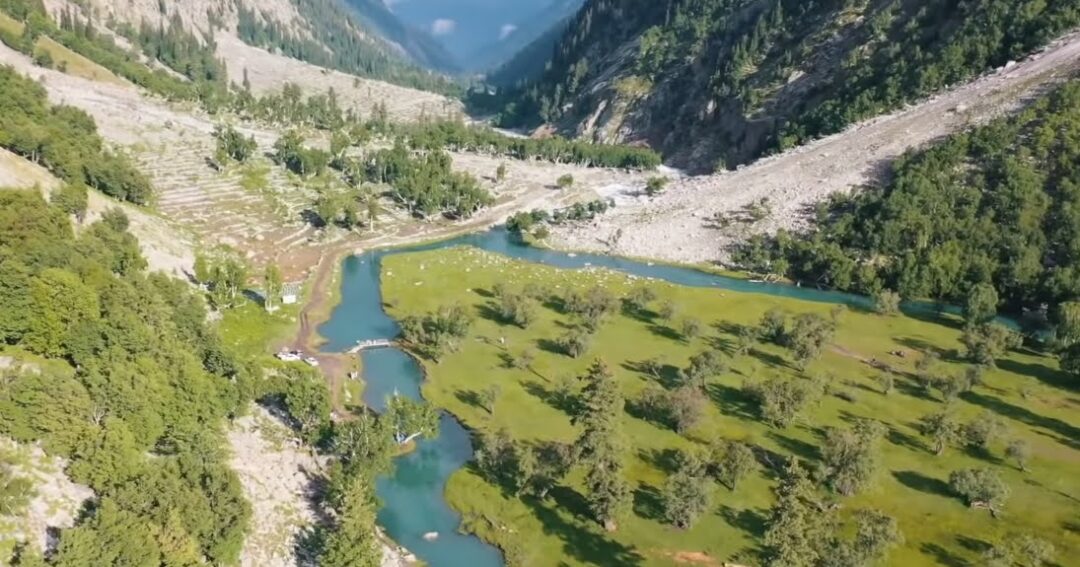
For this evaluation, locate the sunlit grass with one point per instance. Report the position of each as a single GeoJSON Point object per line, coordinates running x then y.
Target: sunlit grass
{"type": "Point", "coordinates": [910, 484]}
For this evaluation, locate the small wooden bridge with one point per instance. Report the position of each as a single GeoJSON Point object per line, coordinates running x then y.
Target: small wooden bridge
{"type": "Point", "coordinates": [371, 344]}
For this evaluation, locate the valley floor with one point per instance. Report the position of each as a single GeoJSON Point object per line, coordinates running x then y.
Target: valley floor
{"type": "Point", "coordinates": [1026, 391]}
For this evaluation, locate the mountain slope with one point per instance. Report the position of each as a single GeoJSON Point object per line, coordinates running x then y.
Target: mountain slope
{"type": "Point", "coordinates": [327, 33]}
{"type": "Point", "coordinates": [700, 219]}
{"type": "Point", "coordinates": [522, 35]}
{"type": "Point", "coordinates": [722, 82]}
{"type": "Point", "coordinates": [418, 45]}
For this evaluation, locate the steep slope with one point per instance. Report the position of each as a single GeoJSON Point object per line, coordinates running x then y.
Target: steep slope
{"type": "Point", "coordinates": [537, 33]}
{"type": "Point", "coordinates": [327, 33]}
{"type": "Point", "coordinates": [689, 222]}
{"type": "Point", "coordinates": [419, 45]}
{"type": "Point", "coordinates": [722, 82]}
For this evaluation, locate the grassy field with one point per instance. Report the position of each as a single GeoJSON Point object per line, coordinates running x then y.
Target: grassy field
{"type": "Point", "coordinates": [253, 331]}
{"type": "Point", "coordinates": [1026, 390]}
{"type": "Point", "coordinates": [63, 58]}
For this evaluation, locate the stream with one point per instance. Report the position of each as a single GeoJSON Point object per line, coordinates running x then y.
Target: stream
{"type": "Point", "coordinates": [412, 497]}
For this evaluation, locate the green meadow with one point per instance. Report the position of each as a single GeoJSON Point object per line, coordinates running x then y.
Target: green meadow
{"type": "Point", "coordinates": [910, 483]}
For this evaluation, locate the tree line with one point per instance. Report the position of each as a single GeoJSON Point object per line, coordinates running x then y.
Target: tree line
{"type": "Point", "coordinates": [456, 135]}
{"type": "Point", "coordinates": [985, 217]}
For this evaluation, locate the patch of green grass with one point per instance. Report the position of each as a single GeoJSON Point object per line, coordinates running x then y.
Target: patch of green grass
{"type": "Point", "coordinates": [63, 58]}
{"type": "Point", "coordinates": [255, 177]}
{"type": "Point", "coordinates": [252, 331]}
{"type": "Point", "coordinates": [9, 25]}
{"type": "Point", "coordinates": [74, 64]}
{"type": "Point", "coordinates": [910, 483]}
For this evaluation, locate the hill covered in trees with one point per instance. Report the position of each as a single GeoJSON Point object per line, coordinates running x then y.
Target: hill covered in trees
{"type": "Point", "coordinates": [995, 205]}
{"type": "Point", "coordinates": [743, 78]}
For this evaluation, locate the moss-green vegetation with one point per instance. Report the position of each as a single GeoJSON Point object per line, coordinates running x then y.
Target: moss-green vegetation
{"type": "Point", "coordinates": [250, 329]}
{"type": "Point", "coordinates": [513, 376]}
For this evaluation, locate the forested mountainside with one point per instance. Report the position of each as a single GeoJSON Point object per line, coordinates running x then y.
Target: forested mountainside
{"type": "Point", "coordinates": [338, 38]}
{"type": "Point", "coordinates": [419, 45]}
{"type": "Point", "coordinates": [530, 61]}
{"type": "Point", "coordinates": [132, 387]}
{"type": "Point", "coordinates": [326, 33]}
{"type": "Point", "coordinates": [716, 83]}
{"type": "Point", "coordinates": [996, 205]}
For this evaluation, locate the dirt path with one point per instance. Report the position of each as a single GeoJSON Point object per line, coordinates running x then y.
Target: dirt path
{"type": "Point", "coordinates": [676, 227]}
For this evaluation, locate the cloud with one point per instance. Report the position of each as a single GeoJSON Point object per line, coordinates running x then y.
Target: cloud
{"type": "Point", "coordinates": [443, 26]}
{"type": "Point", "coordinates": [506, 30]}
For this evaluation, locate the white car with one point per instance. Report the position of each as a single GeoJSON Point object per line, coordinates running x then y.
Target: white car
{"type": "Point", "coordinates": [288, 356]}
{"type": "Point", "coordinates": [311, 360]}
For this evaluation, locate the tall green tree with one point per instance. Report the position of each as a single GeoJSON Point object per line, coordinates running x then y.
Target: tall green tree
{"type": "Point", "coordinates": [794, 529]}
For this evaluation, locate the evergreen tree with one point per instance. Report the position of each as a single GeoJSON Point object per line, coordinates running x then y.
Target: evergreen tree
{"type": "Point", "coordinates": [794, 528]}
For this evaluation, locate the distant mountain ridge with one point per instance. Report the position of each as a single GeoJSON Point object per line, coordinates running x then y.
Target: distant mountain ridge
{"type": "Point", "coordinates": [548, 22]}
{"type": "Point", "coordinates": [417, 44]}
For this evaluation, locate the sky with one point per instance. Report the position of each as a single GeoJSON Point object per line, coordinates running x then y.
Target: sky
{"type": "Point", "coordinates": [464, 26]}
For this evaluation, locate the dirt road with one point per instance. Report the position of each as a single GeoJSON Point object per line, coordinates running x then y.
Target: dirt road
{"type": "Point", "coordinates": [674, 226]}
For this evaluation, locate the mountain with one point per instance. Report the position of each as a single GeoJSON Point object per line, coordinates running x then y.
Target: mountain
{"type": "Point", "coordinates": [327, 33]}
{"type": "Point", "coordinates": [717, 83]}
{"type": "Point", "coordinates": [469, 29]}
{"type": "Point", "coordinates": [537, 33]}
{"type": "Point", "coordinates": [416, 43]}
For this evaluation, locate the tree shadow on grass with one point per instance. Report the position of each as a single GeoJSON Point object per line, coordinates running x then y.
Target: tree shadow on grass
{"type": "Point", "coordinates": [972, 544]}
{"type": "Point", "coordinates": [667, 375]}
{"type": "Point", "coordinates": [555, 400]}
{"type": "Point", "coordinates": [1024, 415]}
{"type": "Point", "coordinates": [641, 315]}
{"type": "Point", "coordinates": [469, 398]}
{"type": "Point", "coordinates": [721, 344]}
{"type": "Point", "coordinates": [901, 439]}
{"type": "Point", "coordinates": [802, 449]}
{"type": "Point", "coordinates": [910, 387]}
{"type": "Point", "coordinates": [1070, 443]}
{"type": "Point", "coordinates": [1040, 372]}
{"type": "Point", "coordinates": [945, 354]}
{"type": "Point", "coordinates": [648, 503]}
{"type": "Point", "coordinates": [771, 359]}
{"type": "Point", "coordinates": [485, 293]}
{"type": "Point", "coordinates": [666, 332]}
{"type": "Point", "coordinates": [918, 481]}
{"type": "Point", "coordinates": [666, 460]}
{"type": "Point", "coordinates": [732, 401]}
{"type": "Point", "coordinates": [637, 409]}
{"type": "Point", "coordinates": [550, 346]}
{"type": "Point", "coordinates": [489, 311]}
{"type": "Point", "coordinates": [583, 544]}
{"type": "Point", "coordinates": [943, 556]}
{"type": "Point", "coordinates": [753, 522]}
{"type": "Point", "coordinates": [983, 454]}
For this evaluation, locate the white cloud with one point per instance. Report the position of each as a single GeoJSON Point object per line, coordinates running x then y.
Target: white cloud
{"type": "Point", "coordinates": [443, 26]}
{"type": "Point", "coordinates": [506, 30]}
